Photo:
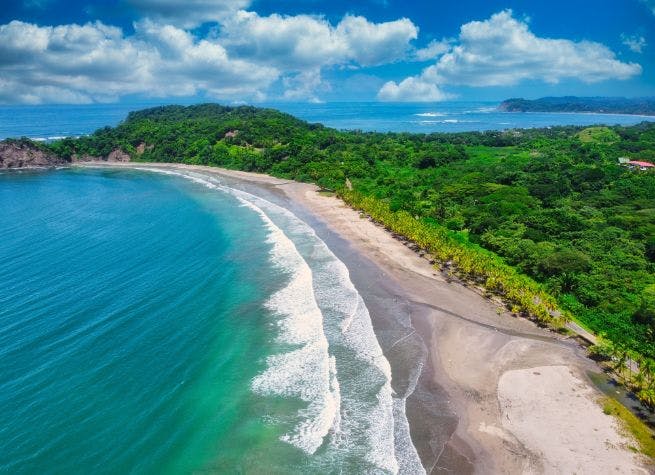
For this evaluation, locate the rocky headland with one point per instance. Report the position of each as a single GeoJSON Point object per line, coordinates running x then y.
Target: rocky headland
{"type": "Point", "coordinates": [25, 153]}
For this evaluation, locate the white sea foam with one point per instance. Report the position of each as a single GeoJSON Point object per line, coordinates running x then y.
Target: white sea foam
{"type": "Point", "coordinates": [430, 114]}
{"type": "Point", "coordinates": [411, 462]}
{"type": "Point", "coordinates": [307, 372]}
{"type": "Point", "coordinates": [321, 312]}
{"type": "Point", "coordinates": [348, 324]}
{"type": "Point", "coordinates": [54, 137]}
{"type": "Point", "coordinates": [447, 121]}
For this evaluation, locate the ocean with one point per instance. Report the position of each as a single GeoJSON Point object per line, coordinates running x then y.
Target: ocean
{"type": "Point", "coordinates": [50, 122]}
{"type": "Point", "coordinates": [163, 322]}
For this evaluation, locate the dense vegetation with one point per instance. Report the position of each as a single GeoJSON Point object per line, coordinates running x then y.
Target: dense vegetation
{"type": "Point", "coordinates": [614, 105]}
{"type": "Point", "coordinates": [547, 219]}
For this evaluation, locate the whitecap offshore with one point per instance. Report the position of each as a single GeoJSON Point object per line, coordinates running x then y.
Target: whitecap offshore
{"type": "Point", "coordinates": [431, 114]}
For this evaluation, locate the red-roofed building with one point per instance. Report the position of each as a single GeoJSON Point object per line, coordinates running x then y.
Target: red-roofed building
{"type": "Point", "coordinates": [640, 165]}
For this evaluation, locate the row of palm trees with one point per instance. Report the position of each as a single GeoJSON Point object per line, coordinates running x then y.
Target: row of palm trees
{"type": "Point", "coordinates": [634, 371]}
{"type": "Point", "coordinates": [470, 262]}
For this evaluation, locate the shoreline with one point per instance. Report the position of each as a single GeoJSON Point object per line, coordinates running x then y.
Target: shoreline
{"type": "Point", "coordinates": [466, 413]}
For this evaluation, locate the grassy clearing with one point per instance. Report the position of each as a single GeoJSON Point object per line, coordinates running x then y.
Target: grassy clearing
{"type": "Point", "coordinates": [603, 135]}
{"type": "Point", "coordinates": [643, 435]}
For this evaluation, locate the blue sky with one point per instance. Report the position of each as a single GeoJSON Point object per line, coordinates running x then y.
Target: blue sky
{"type": "Point", "coordinates": [54, 51]}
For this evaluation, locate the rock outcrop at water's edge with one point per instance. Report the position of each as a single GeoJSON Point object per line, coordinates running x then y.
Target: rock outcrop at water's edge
{"type": "Point", "coordinates": [24, 153]}
{"type": "Point", "coordinates": [116, 155]}
{"type": "Point", "coordinates": [27, 154]}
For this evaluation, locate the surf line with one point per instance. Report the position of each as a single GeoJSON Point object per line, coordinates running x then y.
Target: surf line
{"type": "Point", "coordinates": [307, 372]}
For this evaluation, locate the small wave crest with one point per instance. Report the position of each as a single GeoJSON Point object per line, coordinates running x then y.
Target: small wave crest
{"type": "Point", "coordinates": [53, 138]}
{"type": "Point", "coordinates": [431, 114]}
{"type": "Point", "coordinates": [447, 121]}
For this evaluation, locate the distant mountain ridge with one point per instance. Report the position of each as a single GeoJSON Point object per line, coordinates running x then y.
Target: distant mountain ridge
{"type": "Point", "coordinates": [602, 105]}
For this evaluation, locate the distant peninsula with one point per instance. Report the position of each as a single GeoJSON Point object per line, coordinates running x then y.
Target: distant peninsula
{"type": "Point", "coordinates": [601, 105]}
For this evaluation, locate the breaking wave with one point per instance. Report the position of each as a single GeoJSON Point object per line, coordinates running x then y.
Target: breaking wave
{"type": "Point", "coordinates": [431, 114]}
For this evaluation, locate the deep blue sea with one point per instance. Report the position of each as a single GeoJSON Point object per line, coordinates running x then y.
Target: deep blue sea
{"type": "Point", "coordinates": [162, 322]}
{"type": "Point", "coordinates": [52, 122]}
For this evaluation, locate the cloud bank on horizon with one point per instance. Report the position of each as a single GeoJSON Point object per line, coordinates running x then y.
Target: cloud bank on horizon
{"type": "Point", "coordinates": [220, 49]}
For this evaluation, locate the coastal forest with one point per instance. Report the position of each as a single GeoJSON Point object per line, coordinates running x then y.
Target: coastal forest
{"type": "Point", "coordinates": [547, 219]}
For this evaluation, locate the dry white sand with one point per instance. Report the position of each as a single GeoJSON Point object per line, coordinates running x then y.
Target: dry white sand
{"type": "Point", "coordinates": [554, 414]}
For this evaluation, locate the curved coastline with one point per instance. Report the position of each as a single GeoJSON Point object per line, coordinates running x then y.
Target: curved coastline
{"type": "Point", "coordinates": [457, 418]}
{"type": "Point", "coordinates": [319, 310]}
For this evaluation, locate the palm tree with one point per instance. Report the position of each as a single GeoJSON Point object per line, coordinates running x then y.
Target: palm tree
{"type": "Point", "coordinates": [649, 370]}
{"type": "Point", "coordinates": [621, 360]}
{"type": "Point", "coordinates": [639, 380]}
{"type": "Point", "coordinates": [647, 396]}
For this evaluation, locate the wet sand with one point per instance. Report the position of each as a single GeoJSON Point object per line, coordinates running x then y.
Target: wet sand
{"type": "Point", "coordinates": [486, 392]}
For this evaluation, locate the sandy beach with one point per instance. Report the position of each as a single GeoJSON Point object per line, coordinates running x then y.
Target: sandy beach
{"type": "Point", "coordinates": [493, 393]}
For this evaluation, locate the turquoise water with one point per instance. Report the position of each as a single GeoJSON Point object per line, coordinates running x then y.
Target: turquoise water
{"type": "Point", "coordinates": [157, 323]}
{"type": "Point", "coordinates": [128, 303]}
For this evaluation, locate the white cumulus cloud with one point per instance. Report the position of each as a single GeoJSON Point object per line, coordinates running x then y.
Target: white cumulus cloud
{"type": "Point", "coordinates": [304, 85]}
{"type": "Point", "coordinates": [96, 62]}
{"type": "Point", "coordinates": [304, 41]}
{"type": "Point", "coordinates": [241, 59]}
{"type": "Point", "coordinates": [433, 50]}
{"type": "Point", "coordinates": [303, 45]}
{"type": "Point", "coordinates": [370, 44]}
{"type": "Point", "coordinates": [502, 51]}
{"type": "Point", "coordinates": [411, 89]}
{"type": "Point", "coordinates": [635, 43]}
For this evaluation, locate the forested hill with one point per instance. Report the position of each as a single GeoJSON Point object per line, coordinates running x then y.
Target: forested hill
{"type": "Point", "coordinates": [606, 105]}
{"type": "Point", "coordinates": [554, 204]}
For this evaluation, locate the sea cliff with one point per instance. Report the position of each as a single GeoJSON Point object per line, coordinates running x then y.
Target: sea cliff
{"type": "Point", "coordinates": [25, 153]}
